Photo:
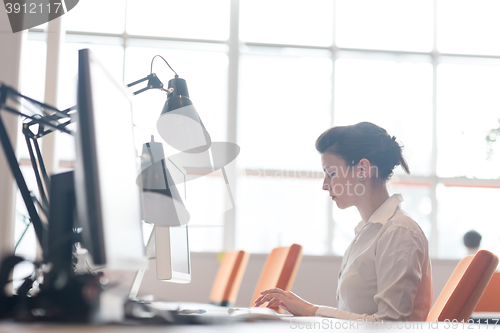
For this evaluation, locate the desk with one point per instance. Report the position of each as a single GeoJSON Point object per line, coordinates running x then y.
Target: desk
{"type": "Point", "coordinates": [61, 328]}
{"type": "Point", "coordinates": [486, 317]}
{"type": "Point", "coordinates": [316, 324]}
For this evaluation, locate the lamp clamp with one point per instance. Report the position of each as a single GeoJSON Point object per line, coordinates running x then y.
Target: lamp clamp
{"type": "Point", "coordinates": [153, 83]}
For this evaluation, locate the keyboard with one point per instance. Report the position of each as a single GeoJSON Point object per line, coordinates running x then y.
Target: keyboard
{"type": "Point", "coordinates": [195, 313]}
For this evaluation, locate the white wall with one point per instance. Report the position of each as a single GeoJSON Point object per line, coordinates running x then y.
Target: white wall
{"type": "Point", "coordinates": [316, 279]}
{"type": "Point", "coordinates": [10, 60]}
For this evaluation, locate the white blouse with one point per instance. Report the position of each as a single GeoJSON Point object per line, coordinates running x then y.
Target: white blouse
{"type": "Point", "coordinates": [385, 273]}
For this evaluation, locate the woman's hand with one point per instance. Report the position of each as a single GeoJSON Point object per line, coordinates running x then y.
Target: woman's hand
{"type": "Point", "coordinates": [287, 301]}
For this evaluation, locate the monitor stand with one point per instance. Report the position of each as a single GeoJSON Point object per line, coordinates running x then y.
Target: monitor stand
{"type": "Point", "coordinates": [155, 250]}
{"type": "Point", "coordinates": [136, 285]}
{"type": "Point", "coordinates": [60, 240]}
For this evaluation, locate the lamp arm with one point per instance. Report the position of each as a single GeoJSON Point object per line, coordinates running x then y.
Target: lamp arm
{"type": "Point", "coordinates": [40, 229]}
{"type": "Point", "coordinates": [42, 165]}
{"type": "Point", "coordinates": [53, 122]}
{"type": "Point", "coordinates": [48, 121]}
{"type": "Point", "coordinates": [35, 164]}
{"type": "Point", "coordinates": [153, 83]}
{"type": "Point", "coordinates": [37, 120]}
{"type": "Point", "coordinates": [42, 106]}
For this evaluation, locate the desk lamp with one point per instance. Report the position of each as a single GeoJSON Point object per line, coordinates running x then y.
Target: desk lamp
{"type": "Point", "coordinates": [179, 123]}
{"type": "Point", "coordinates": [180, 126]}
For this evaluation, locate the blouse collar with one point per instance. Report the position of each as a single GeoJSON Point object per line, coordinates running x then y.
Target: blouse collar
{"type": "Point", "coordinates": [383, 213]}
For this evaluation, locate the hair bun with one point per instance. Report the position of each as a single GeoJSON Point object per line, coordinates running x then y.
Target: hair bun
{"type": "Point", "coordinates": [364, 140]}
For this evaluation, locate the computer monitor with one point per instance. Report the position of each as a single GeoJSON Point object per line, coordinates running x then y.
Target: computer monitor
{"type": "Point", "coordinates": [107, 196]}
{"type": "Point", "coordinates": [172, 254]}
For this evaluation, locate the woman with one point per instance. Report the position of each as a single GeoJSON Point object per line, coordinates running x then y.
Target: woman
{"type": "Point", "coordinates": [385, 273]}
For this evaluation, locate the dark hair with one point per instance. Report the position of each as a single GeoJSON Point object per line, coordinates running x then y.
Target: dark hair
{"type": "Point", "coordinates": [364, 140]}
{"type": "Point", "coordinates": [472, 239]}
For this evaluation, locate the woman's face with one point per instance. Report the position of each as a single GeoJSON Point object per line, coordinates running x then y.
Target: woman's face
{"type": "Point", "coordinates": [341, 181]}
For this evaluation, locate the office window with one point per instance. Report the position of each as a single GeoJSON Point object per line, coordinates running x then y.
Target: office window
{"type": "Point", "coordinates": [32, 77]}
{"type": "Point", "coordinates": [97, 16]}
{"type": "Point", "coordinates": [279, 210]}
{"type": "Point", "coordinates": [205, 203]}
{"type": "Point", "coordinates": [384, 24]}
{"type": "Point", "coordinates": [427, 71]}
{"type": "Point", "coordinates": [454, 222]}
{"type": "Point", "coordinates": [395, 94]}
{"type": "Point", "coordinates": [197, 19]}
{"type": "Point", "coordinates": [110, 53]}
{"type": "Point", "coordinates": [468, 27]}
{"type": "Point", "coordinates": [32, 83]}
{"type": "Point", "coordinates": [109, 50]}
{"type": "Point", "coordinates": [417, 202]}
{"type": "Point", "coordinates": [280, 91]}
{"type": "Point", "coordinates": [24, 234]}
{"type": "Point", "coordinates": [280, 200]}
{"type": "Point", "coordinates": [287, 22]}
{"type": "Point", "coordinates": [468, 109]}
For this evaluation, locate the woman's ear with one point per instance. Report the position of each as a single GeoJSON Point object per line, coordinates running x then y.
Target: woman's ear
{"type": "Point", "coordinates": [364, 169]}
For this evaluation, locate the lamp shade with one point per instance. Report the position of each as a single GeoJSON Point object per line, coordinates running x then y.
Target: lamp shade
{"type": "Point", "coordinates": [162, 203]}
{"type": "Point", "coordinates": [179, 123]}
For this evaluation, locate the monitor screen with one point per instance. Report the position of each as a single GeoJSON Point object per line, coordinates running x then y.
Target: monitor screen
{"type": "Point", "coordinates": [172, 254]}
{"type": "Point", "coordinates": [108, 201]}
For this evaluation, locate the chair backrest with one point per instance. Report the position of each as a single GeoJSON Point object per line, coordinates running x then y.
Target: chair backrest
{"type": "Point", "coordinates": [490, 301]}
{"type": "Point", "coordinates": [279, 270]}
{"type": "Point", "coordinates": [228, 279]}
{"type": "Point", "coordinates": [464, 288]}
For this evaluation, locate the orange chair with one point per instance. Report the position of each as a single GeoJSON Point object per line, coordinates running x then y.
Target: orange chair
{"type": "Point", "coordinates": [464, 288]}
{"type": "Point", "coordinates": [228, 279]}
{"type": "Point", "coordinates": [279, 270]}
{"type": "Point", "coordinates": [490, 301]}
